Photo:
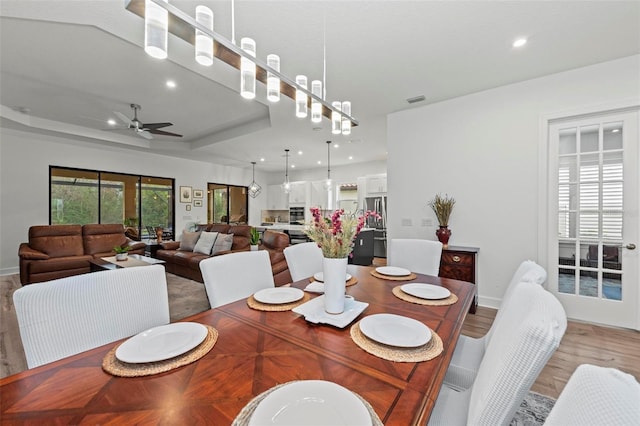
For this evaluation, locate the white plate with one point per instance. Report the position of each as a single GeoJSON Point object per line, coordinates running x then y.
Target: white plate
{"type": "Point", "coordinates": [393, 271]}
{"type": "Point", "coordinates": [278, 295]}
{"type": "Point", "coordinates": [160, 343]}
{"type": "Point", "coordinates": [314, 312]}
{"type": "Point", "coordinates": [395, 330]}
{"type": "Point", "coordinates": [311, 402]}
{"type": "Point", "coordinates": [319, 276]}
{"type": "Point", "coordinates": [426, 291]}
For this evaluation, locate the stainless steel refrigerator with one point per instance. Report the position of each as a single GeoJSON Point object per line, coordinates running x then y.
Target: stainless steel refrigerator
{"type": "Point", "coordinates": [378, 205]}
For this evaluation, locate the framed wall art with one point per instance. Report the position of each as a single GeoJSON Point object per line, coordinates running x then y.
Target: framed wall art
{"type": "Point", "coordinates": [198, 193]}
{"type": "Point", "coordinates": [188, 207]}
{"type": "Point", "coordinates": [197, 203]}
{"type": "Point", "coordinates": [185, 194]}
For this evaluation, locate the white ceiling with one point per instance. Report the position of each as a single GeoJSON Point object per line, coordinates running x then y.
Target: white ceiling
{"type": "Point", "coordinates": [70, 64]}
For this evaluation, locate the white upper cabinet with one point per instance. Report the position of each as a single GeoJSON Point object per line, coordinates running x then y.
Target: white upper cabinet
{"type": "Point", "coordinates": [276, 198]}
{"type": "Point", "coordinates": [299, 193]}
{"type": "Point", "coordinates": [319, 195]}
{"type": "Point", "coordinates": [377, 185]}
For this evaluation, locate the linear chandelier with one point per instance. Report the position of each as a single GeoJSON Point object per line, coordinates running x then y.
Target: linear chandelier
{"type": "Point", "coordinates": [162, 18]}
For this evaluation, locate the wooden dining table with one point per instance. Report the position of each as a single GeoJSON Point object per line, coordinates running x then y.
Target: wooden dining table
{"type": "Point", "coordinates": [255, 351]}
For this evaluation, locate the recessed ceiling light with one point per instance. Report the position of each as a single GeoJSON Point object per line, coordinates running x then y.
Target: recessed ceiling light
{"type": "Point", "coordinates": [615, 130]}
{"type": "Point", "coordinates": [171, 84]}
{"type": "Point", "coordinates": [335, 145]}
{"type": "Point", "coordinates": [111, 122]}
{"type": "Point", "coordinates": [519, 42]}
{"type": "Point", "coordinates": [299, 152]}
{"type": "Point", "coordinates": [319, 162]}
{"type": "Point", "coordinates": [262, 159]}
{"type": "Point", "coordinates": [293, 166]}
{"type": "Point", "coordinates": [351, 157]}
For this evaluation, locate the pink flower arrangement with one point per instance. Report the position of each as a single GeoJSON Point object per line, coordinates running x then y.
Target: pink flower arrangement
{"type": "Point", "coordinates": [335, 234]}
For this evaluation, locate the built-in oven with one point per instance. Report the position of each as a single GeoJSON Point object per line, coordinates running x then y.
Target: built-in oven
{"type": "Point", "coordinates": [296, 215]}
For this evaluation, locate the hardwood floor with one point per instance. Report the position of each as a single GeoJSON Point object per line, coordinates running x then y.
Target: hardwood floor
{"type": "Point", "coordinates": [582, 343]}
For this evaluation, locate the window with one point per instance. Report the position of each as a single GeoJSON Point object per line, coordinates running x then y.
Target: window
{"type": "Point", "coordinates": [227, 204]}
{"type": "Point", "coordinates": [88, 196]}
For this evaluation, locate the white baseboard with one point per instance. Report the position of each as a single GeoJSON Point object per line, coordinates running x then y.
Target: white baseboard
{"type": "Point", "coordinates": [10, 271]}
{"type": "Point", "coordinates": [489, 302]}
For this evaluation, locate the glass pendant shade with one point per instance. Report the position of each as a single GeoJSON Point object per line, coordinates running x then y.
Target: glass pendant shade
{"type": "Point", "coordinates": [336, 118]}
{"type": "Point", "coordinates": [346, 123]}
{"type": "Point", "coordinates": [273, 82]}
{"type": "Point", "coordinates": [254, 188]}
{"type": "Point", "coordinates": [301, 97]}
{"type": "Point", "coordinates": [248, 69]}
{"type": "Point", "coordinates": [156, 24]}
{"type": "Point", "coordinates": [204, 43]}
{"type": "Point", "coordinates": [316, 107]}
{"type": "Point", "coordinates": [286, 186]}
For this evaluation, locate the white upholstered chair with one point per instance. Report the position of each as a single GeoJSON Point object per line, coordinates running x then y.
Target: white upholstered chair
{"type": "Point", "coordinates": [469, 351]}
{"type": "Point", "coordinates": [518, 350]}
{"type": "Point", "coordinates": [235, 276]}
{"type": "Point", "coordinates": [597, 396]}
{"type": "Point", "coordinates": [70, 315]}
{"type": "Point", "coordinates": [420, 256]}
{"type": "Point", "coordinates": [304, 260]}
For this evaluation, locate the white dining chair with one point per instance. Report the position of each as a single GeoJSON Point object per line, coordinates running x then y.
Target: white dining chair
{"type": "Point", "coordinates": [518, 350]}
{"type": "Point", "coordinates": [597, 396]}
{"type": "Point", "coordinates": [419, 256]}
{"type": "Point", "coordinates": [70, 315]}
{"type": "Point", "coordinates": [304, 260]}
{"type": "Point", "coordinates": [469, 351]}
{"type": "Point", "coordinates": [235, 276]}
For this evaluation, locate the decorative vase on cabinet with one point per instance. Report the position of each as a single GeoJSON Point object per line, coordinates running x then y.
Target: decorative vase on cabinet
{"type": "Point", "coordinates": [443, 233]}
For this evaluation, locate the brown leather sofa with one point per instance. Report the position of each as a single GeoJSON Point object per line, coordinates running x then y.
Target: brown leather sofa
{"type": "Point", "coordinates": [187, 263]}
{"type": "Point", "coordinates": [58, 251]}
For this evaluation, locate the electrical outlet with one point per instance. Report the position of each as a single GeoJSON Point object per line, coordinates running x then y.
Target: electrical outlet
{"type": "Point", "coordinates": [427, 222]}
{"type": "Point", "coordinates": [407, 222]}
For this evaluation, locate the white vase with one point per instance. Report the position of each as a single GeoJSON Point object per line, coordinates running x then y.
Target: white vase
{"type": "Point", "coordinates": [121, 256]}
{"type": "Point", "coordinates": [254, 247]}
{"type": "Point", "coordinates": [334, 272]}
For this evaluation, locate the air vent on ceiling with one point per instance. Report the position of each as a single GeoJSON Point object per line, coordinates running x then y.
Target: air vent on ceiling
{"type": "Point", "coordinates": [416, 99]}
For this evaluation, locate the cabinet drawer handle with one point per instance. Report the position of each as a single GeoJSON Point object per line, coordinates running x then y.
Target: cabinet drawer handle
{"type": "Point", "coordinates": [456, 258]}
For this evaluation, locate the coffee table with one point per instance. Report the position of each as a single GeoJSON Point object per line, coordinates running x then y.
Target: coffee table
{"type": "Point", "coordinates": [98, 264]}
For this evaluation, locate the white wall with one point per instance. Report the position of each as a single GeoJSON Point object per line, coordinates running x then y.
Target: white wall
{"type": "Point", "coordinates": [24, 181]}
{"type": "Point", "coordinates": [482, 149]}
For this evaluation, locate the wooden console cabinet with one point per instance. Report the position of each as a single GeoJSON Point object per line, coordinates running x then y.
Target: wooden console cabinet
{"type": "Point", "coordinates": [460, 263]}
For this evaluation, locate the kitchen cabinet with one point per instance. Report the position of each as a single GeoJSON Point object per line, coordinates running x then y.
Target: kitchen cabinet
{"type": "Point", "coordinates": [319, 196]}
{"type": "Point", "coordinates": [377, 185]}
{"type": "Point", "coordinates": [298, 194]}
{"type": "Point", "coordinates": [276, 198]}
{"type": "Point", "coordinates": [460, 263]}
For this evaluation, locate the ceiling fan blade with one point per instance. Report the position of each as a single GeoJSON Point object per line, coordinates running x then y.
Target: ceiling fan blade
{"type": "Point", "coordinates": [145, 134]}
{"type": "Point", "coordinates": [123, 118]}
{"type": "Point", "coordinates": [162, 132]}
{"type": "Point", "coordinates": [154, 126]}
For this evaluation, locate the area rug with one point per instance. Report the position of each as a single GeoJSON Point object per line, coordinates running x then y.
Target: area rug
{"type": "Point", "coordinates": [533, 410]}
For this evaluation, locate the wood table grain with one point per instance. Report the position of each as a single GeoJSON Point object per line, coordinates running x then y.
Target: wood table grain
{"type": "Point", "coordinates": [256, 350]}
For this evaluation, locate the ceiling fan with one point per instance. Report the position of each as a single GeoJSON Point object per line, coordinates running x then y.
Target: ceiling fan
{"type": "Point", "coordinates": [144, 129]}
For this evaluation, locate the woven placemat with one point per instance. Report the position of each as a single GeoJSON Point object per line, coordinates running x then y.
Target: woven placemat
{"type": "Point", "coordinates": [115, 367]}
{"type": "Point", "coordinates": [397, 291]}
{"type": "Point", "coordinates": [242, 419]}
{"type": "Point", "coordinates": [352, 281]}
{"type": "Point", "coordinates": [409, 277]}
{"type": "Point", "coordinates": [393, 353]}
{"type": "Point", "coordinates": [280, 307]}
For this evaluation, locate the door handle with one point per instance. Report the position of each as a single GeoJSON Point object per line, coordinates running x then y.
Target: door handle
{"type": "Point", "coordinates": [631, 246]}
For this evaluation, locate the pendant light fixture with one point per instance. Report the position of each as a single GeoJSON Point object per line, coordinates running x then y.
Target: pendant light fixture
{"type": "Point", "coordinates": [273, 81]}
{"type": "Point", "coordinates": [248, 69]}
{"type": "Point", "coordinates": [156, 29]}
{"type": "Point", "coordinates": [346, 123]}
{"type": "Point", "coordinates": [254, 188]}
{"type": "Point", "coordinates": [243, 57]}
{"type": "Point", "coordinates": [327, 183]}
{"type": "Point", "coordinates": [336, 118]}
{"type": "Point", "coordinates": [301, 97]}
{"type": "Point", "coordinates": [286, 186]}
{"type": "Point", "coordinates": [204, 43]}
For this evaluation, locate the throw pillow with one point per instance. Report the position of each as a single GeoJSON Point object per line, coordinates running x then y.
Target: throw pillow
{"type": "Point", "coordinates": [223, 242]}
{"type": "Point", "coordinates": [205, 242]}
{"type": "Point", "coordinates": [188, 240]}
